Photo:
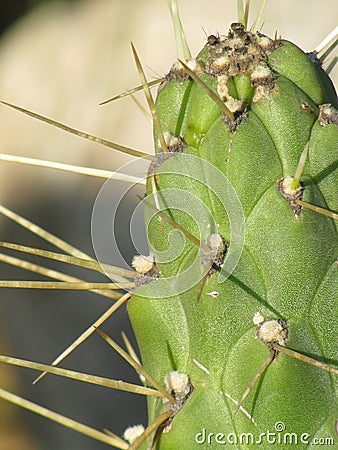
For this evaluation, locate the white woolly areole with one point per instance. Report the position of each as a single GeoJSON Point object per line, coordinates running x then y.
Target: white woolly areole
{"type": "Point", "coordinates": [171, 140]}
{"type": "Point", "coordinates": [264, 41]}
{"type": "Point", "coordinates": [233, 104]}
{"type": "Point", "coordinates": [272, 330]}
{"type": "Point", "coordinates": [176, 381]}
{"type": "Point", "coordinates": [286, 186]}
{"type": "Point", "coordinates": [261, 72]}
{"type": "Point", "coordinates": [261, 92]}
{"type": "Point", "coordinates": [195, 66]}
{"type": "Point", "coordinates": [214, 241]}
{"type": "Point", "coordinates": [142, 264]}
{"type": "Point", "coordinates": [132, 433]}
{"type": "Point", "coordinates": [222, 86]}
{"type": "Point", "coordinates": [222, 89]}
{"type": "Point", "coordinates": [257, 318]}
{"type": "Point", "coordinates": [221, 62]}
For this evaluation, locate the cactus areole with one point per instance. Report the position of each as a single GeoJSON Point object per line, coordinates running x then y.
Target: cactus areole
{"type": "Point", "coordinates": [230, 240]}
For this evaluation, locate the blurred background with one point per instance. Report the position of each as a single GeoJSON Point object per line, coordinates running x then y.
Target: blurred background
{"type": "Point", "coordinates": [61, 59]}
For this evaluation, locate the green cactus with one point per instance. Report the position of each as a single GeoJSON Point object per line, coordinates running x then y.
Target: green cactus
{"type": "Point", "coordinates": [235, 310]}
{"type": "Point", "coordinates": [273, 93]}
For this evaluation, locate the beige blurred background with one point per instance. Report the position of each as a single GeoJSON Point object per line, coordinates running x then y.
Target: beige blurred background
{"type": "Point", "coordinates": [61, 60]}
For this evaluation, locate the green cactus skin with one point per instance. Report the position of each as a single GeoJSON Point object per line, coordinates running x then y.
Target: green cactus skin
{"type": "Point", "coordinates": [287, 269]}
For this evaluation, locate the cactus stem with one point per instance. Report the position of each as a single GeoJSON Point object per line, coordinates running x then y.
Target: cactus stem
{"type": "Point", "coordinates": [157, 425]}
{"type": "Point", "coordinates": [132, 91]}
{"type": "Point", "coordinates": [208, 91]}
{"type": "Point", "coordinates": [265, 365]}
{"type": "Point", "coordinates": [150, 100]}
{"type": "Point", "coordinates": [300, 168]}
{"type": "Point", "coordinates": [123, 299]}
{"type": "Point", "coordinates": [175, 225]}
{"type": "Point", "coordinates": [304, 358]}
{"type": "Point", "coordinates": [139, 369]}
{"type": "Point", "coordinates": [273, 332]}
{"type": "Point", "coordinates": [317, 209]}
{"type": "Point", "coordinates": [183, 51]}
{"type": "Point", "coordinates": [89, 137]}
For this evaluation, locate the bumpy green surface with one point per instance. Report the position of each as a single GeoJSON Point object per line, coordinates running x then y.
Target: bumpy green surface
{"type": "Point", "coordinates": [287, 268]}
